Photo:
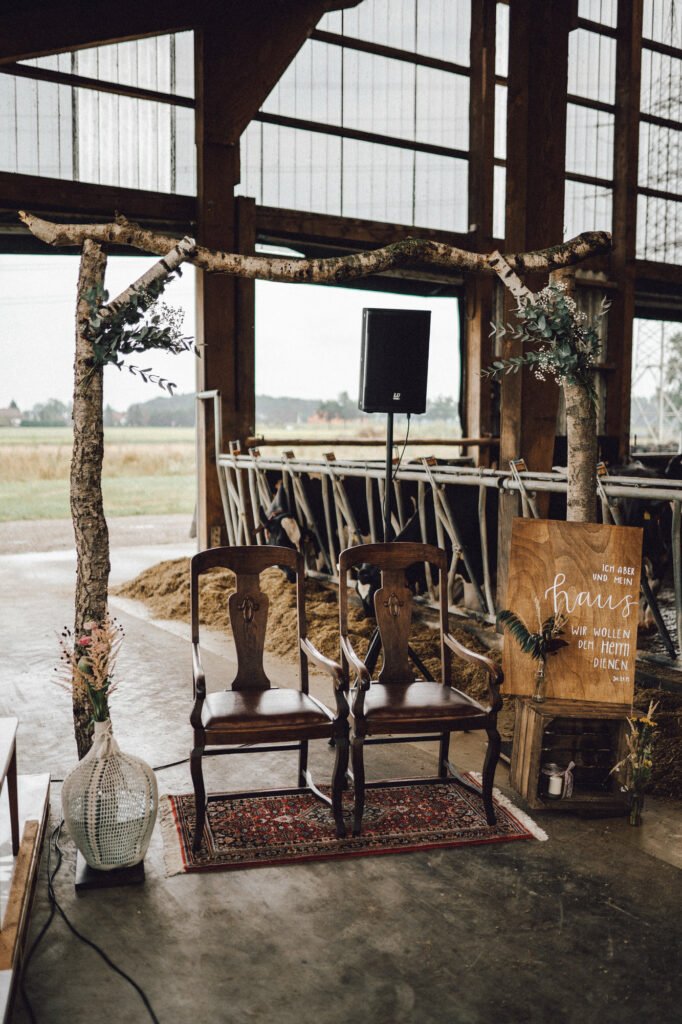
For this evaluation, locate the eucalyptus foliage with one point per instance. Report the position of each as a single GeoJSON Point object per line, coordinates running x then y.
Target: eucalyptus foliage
{"type": "Point", "coordinates": [566, 345]}
{"type": "Point", "coordinates": [141, 324]}
{"type": "Point", "coordinates": [541, 644]}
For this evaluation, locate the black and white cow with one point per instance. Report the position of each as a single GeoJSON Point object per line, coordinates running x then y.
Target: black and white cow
{"type": "Point", "coordinates": [282, 528]}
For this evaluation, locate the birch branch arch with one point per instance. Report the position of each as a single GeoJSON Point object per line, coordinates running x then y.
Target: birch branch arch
{"type": "Point", "coordinates": [87, 511]}
{"type": "Point", "coordinates": [332, 270]}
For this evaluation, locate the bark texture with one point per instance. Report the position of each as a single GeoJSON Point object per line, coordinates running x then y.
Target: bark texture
{"type": "Point", "coordinates": [182, 251]}
{"type": "Point", "coordinates": [581, 436]}
{"type": "Point", "coordinates": [87, 510]}
{"type": "Point", "coordinates": [410, 252]}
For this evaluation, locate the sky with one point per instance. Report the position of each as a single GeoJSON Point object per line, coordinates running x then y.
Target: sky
{"type": "Point", "coordinates": [317, 328]}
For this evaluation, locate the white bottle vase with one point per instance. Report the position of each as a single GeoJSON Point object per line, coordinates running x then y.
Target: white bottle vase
{"type": "Point", "coordinates": [109, 803]}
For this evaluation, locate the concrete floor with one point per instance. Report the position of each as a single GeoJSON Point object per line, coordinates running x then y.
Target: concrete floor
{"type": "Point", "coordinates": [583, 928]}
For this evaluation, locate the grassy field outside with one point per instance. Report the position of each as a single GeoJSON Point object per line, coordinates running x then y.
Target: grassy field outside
{"type": "Point", "coordinates": [147, 471]}
{"type": "Point", "coordinates": [151, 470]}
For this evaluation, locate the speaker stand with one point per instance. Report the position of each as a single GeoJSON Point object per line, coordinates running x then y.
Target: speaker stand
{"type": "Point", "coordinates": [389, 475]}
{"type": "Point", "coordinates": [375, 640]}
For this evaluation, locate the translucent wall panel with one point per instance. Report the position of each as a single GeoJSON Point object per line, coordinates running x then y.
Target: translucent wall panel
{"type": "Point", "coordinates": [291, 168]}
{"type": "Point", "coordinates": [134, 143]}
{"type": "Point", "coordinates": [502, 40]}
{"type": "Point", "coordinates": [434, 28]}
{"type": "Point", "coordinates": [660, 158]}
{"type": "Point", "coordinates": [84, 135]}
{"type": "Point", "coordinates": [35, 128]}
{"type": "Point", "coordinates": [663, 21]}
{"type": "Point", "coordinates": [303, 170]}
{"type": "Point", "coordinates": [443, 29]}
{"type": "Point", "coordinates": [586, 208]}
{"type": "Point", "coordinates": [440, 192]}
{"type": "Point", "coordinates": [589, 141]}
{"type": "Point", "coordinates": [661, 85]}
{"type": "Point", "coordinates": [500, 122]}
{"type": "Point", "coordinates": [603, 11]}
{"type": "Point", "coordinates": [442, 109]}
{"type": "Point", "coordinates": [378, 95]}
{"type": "Point", "coordinates": [659, 230]}
{"type": "Point", "coordinates": [391, 22]}
{"type": "Point", "coordinates": [499, 202]}
{"type": "Point", "coordinates": [330, 85]}
{"type": "Point", "coordinates": [162, 63]}
{"type": "Point", "coordinates": [123, 141]}
{"type": "Point", "coordinates": [378, 182]}
{"type": "Point", "coordinates": [592, 66]}
{"type": "Point", "coordinates": [311, 87]}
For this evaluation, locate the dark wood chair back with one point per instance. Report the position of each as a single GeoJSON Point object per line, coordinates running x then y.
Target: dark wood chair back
{"type": "Point", "coordinates": [248, 605]}
{"type": "Point", "coordinates": [393, 602]}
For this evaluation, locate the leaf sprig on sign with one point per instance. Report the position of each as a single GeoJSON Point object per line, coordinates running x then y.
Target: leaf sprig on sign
{"type": "Point", "coordinates": [538, 645]}
{"type": "Point", "coordinates": [143, 323]}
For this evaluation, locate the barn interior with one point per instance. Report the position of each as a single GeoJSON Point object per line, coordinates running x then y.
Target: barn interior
{"type": "Point", "coordinates": [327, 128]}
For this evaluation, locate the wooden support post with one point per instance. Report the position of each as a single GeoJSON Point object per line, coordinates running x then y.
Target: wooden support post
{"type": "Point", "coordinates": [625, 169]}
{"type": "Point", "coordinates": [478, 412]}
{"type": "Point", "coordinates": [536, 152]}
{"type": "Point", "coordinates": [225, 306]}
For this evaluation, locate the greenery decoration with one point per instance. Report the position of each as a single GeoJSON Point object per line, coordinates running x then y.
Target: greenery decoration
{"type": "Point", "coordinates": [141, 324]}
{"type": "Point", "coordinates": [566, 344]}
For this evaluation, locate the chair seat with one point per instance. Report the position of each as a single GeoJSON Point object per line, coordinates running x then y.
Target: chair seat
{"type": "Point", "coordinates": [420, 701]}
{"type": "Point", "coordinates": [244, 711]}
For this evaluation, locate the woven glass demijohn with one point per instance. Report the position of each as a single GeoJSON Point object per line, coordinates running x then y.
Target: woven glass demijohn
{"type": "Point", "coordinates": [109, 804]}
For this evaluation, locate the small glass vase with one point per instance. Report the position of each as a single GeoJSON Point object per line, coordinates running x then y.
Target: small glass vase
{"type": "Point", "coordinates": [636, 808]}
{"type": "Point", "coordinates": [539, 691]}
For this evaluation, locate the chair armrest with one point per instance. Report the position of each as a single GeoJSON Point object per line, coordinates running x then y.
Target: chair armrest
{"type": "Point", "coordinates": [494, 672]}
{"type": "Point", "coordinates": [332, 668]}
{"type": "Point", "coordinates": [358, 666]}
{"type": "Point", "coordinates": [198, 678]}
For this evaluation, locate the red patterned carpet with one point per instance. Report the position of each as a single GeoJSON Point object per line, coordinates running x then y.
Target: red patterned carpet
{"type": "Point", "coordinates": [260, 831]}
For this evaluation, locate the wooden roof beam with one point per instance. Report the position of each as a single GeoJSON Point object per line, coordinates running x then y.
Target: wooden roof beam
{"type": "Point", "coordinates": [37, 28]}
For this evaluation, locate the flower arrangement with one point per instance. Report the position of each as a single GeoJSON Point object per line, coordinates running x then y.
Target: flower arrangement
{"type": "Point", "coordinates": [87, 664]}
{"type": "Point", "coordinates": [539, 645]}
{"type": "Point", "coordinates": [567, 345]}
{"type": "Point", "coordinates": [636, 766]}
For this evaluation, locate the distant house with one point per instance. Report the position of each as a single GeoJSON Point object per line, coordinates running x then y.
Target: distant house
{"type": "Point", "coordinates": [11, 416]}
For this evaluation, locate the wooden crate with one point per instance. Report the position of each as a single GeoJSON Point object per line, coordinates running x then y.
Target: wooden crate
{"type": "Point", "coordinates": [561, 731]}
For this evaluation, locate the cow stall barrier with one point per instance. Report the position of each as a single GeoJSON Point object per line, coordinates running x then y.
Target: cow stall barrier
{"type": "Point", "coordinates": [337, 518]}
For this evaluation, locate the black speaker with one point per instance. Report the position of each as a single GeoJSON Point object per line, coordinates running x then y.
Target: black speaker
{"type": "Point", "coordinates": [394, 360]}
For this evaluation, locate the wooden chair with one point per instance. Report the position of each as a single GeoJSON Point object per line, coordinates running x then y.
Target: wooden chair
{"type": "Point", "coordinates": [397, 702]}
{"type": "Point", "coordinates": [252, 711]}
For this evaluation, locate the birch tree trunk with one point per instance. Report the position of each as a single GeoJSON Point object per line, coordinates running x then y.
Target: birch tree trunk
{"type": "Point", "coordinates": [87, 509]}
{"type": "Point", "coordinates": [581, 437]}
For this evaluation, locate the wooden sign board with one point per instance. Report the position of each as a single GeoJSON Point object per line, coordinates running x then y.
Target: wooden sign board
{"type": "Point", "coordinates": [591, 572]}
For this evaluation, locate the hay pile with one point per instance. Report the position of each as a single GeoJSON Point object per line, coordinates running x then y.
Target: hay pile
{"type": "Point", "coordinates": [165, 590]}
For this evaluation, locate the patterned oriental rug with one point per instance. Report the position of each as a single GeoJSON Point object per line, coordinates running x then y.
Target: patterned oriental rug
{"type": "Point", "coordinates": [261, 831]}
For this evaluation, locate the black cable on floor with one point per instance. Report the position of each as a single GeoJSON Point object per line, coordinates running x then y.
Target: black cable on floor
{"type": "Point", "coordinates": [55, 907]}
{"type": "Point", "coordinates": [156, 768]}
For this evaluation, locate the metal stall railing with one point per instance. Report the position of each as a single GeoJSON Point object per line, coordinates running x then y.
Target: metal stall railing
{"type": "Point", "coordinates": [336, 524]}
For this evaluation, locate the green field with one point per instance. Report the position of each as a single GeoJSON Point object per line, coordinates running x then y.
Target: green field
{"type": "Point", "coordinates": [147, 471]}
{"type": "Point", "coordinates": [152, 470]}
